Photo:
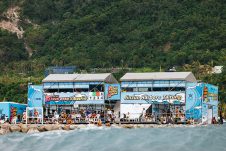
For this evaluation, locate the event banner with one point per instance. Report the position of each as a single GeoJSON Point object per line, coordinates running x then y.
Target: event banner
{"type": "Point", "coordinates": [209, 103]}
{"type": "Point", "coordinates": [150, 97]}
{"type": "Point", "coordinates": [210, 94]}
{"type": "Point", "coordinates": [112, 91]}
{"type": "Point", "coordinates": [35, 95]}
{"type": "Point", "coordinates": [194, 100]}
{"type": "Point", "coordinates": [83, 96]}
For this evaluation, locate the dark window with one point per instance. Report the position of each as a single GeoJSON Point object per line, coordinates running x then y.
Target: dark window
{"type": "Point", "coordinates": [169, 89]}
{"type": "Point", "coordinates": [65, 90]}
{"type": "Point", "coordinates": [50, 90]}
{"type": "Point", "coordinates": [81, 90]}
{"type": "Point", "coordinates": [127, 89]}
{"type": "Point", "coordinates": [57, 90]}
{"type": "Point", "coordinates": [143, 89]}
{"type": "Point", "coordinates": [96, 88]}
{"type": "Point", "coordinates": [153, 89]}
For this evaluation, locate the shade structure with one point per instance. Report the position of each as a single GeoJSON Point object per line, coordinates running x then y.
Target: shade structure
{"type": "Point", "coordinates": [89, 102]}
{"type": "Point", "coordinates": [184, 76]}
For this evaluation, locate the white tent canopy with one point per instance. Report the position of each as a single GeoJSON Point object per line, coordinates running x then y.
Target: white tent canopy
{"type": "Point", "coordinates": [100, 77]}
{"type": "Point", "coordinates": [186, 76]}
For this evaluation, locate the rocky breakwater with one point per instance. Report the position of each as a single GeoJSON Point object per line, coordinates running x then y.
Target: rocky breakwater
{"type": "Point", "coordinates": [34, 128]}
{"type": "Point", "coordinates": [5, 128]}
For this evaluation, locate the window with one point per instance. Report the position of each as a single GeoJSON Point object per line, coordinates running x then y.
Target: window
{"type": "Point", "coordinates": [81, 90]}
{"type": "Point", "coordinates": [169, 89]}
{"type": "Point", "coordinates": [50, 90]}
{"type": "Point", "coordinates": [96, 88]}
{"type": "Point", "coordinates": [65, 90]}
{"type": "Point", "coordinates": [127, 89]}
{"type": "Point", "coordinates": [143, 89]}
{"type": "Point", "coordinates": [57, 90]}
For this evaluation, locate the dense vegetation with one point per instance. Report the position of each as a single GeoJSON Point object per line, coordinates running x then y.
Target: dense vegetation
{"type": "Point", "coordinates": [140, 34]}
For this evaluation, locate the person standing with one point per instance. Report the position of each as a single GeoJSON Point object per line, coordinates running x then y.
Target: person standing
{"type": "Point", "coordinates": [221, 118]}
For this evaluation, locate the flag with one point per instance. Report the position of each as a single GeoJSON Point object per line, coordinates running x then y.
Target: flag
{"type": "Point", "coordinates": [94, 94]}
{"type": "Point", "coordinates": [97, 93]}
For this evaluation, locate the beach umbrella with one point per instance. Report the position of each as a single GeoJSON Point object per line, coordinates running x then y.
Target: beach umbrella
{"type": "Point", "coordinates": [165, 102]}
{"type": "Point", "coordinates": [176, 102]}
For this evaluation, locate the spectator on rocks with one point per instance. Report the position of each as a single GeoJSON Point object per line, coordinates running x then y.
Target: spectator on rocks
{"type": "Point", "coordinates": [163, 119]}
{"type": "Point", "coordinates": [214, 121]}
{"type": "Point", "coordinates": [220, 118]}
{"type": "Point", "coordinates": [128, 116]}
{"type": "Point", "coordinates": [78, 117]}
{"type": "Point", "coordinates": [55, 117]}
{"type": "Point", "coordinates": [93, 115]}
{"type": "Point", "coordinates": [98, 115]}
{"type": "Point", "coordinates": [182, 118]}
{"type": "Point", "coordinates": [69, 119]}
{"type": "Point", "coordinates": [24, 117]}
{"type": "Point", "coordinates": [99, 123]}
{"type": "Point", "coordinates": [73, 117]}
{"type": "Point", "coordinates": [124, 117]}
{"type": "Point", "coordinates": [14, 120]}
{"type": "Point", "coordinates": [169, 120]}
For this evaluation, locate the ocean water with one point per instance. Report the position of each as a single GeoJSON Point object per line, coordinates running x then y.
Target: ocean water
{"type": "Point", "coordinates": [206, 138]}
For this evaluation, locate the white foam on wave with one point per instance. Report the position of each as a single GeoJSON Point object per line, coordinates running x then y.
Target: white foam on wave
{"type": "Point", "coordinates": [93, 127]}
{"type": "Point", "coordinates": [49, 133]}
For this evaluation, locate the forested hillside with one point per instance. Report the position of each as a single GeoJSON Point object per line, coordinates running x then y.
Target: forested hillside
{"type": "Point", "coordinates": [145, 35]}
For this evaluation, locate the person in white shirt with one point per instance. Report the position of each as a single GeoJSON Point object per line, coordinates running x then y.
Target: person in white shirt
{"type": "Point", "coordinates": [14, 119]}
{"type": "Point", "coordinates": [109, 112]}
{"type": "Point", "coordinates": [143, 112]}
{"type": "Point", "coordinates": [128, 116]}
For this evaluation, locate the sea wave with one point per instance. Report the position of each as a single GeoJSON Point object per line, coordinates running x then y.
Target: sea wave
{"type": "Point", "coordinates": [209, 138]}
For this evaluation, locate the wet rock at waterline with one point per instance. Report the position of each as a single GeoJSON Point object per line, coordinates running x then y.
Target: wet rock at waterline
{"type": "Point", "coordinates": [41, 128]}
{"type": "Point", "coordinates": [33, 130]}
{"type": "Point", "coordinates": [48, 127]}
{"type": "Point", "coordinates": [15, 128]}
{"type": "Point", "coordinates": [24, 128]}
{"type": "Point", "coordinates": [66, 127]}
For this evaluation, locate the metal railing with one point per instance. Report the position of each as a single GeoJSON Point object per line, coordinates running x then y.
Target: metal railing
{"type": "Point", "coordinates": [160, 118]}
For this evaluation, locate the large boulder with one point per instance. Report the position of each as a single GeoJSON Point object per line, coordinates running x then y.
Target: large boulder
{"type": "Point", "coordinates": [73, 127]}
{"type": "Point", "coordinates": [41, 128]}
{"type": "Point", "coordinates": [3, 131]}
{"type": "Point", "coordinates": [56, 127]}
{"type": "Point", "coordinates": [48, 127]}
{"type": "Point", "coordinates": [15, 128]}
{"type": "Point", "coordinates": [24, 128]}
{"type": "Point", "coordinates": [32, 130]}
{"type": "Point", "coordinates": [82, 126]}
{"type": "Point", "coordinates": [66, 127]}
{"type": "Point", "coordinates": [128, 126]}
{"type": "Point", "coordinates": [5, 128]}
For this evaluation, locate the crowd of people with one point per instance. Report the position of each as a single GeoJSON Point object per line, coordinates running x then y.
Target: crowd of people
{"type": "Point", "coordinates": [81, 116]}
{"type": "Point", "coordinates": [108, 116]}
{"type": "Point", "coordinates": [165, 117]}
